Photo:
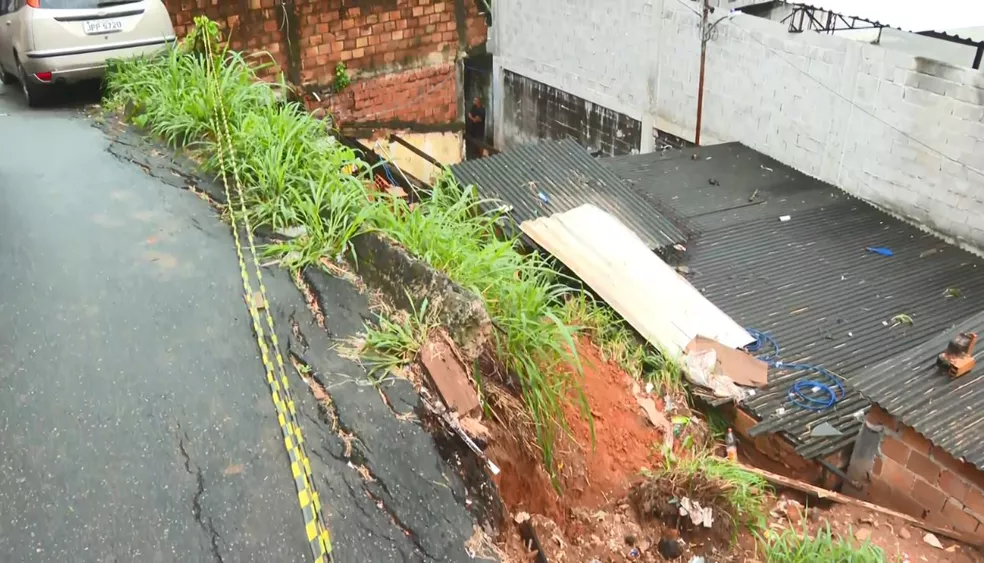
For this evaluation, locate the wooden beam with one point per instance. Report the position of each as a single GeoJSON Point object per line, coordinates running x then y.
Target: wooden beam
{"type": "Point", "coordinates": [822, 493]}
{"type": "Point", "coordinates": [397, 139]}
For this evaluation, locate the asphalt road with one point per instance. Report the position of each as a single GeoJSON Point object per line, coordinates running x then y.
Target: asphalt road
{"type": "Point", "coordinates": [135, 422]}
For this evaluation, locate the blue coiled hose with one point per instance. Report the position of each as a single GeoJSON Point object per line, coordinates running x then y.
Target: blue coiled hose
{"type": "Point", "coordinates": [389, 175]}
{"type": "Point", "coordinates": [806, 393]}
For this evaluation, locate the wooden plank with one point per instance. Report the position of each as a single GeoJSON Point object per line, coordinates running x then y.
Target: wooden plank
{"type": "Point", "coordinates": [822, 493]}
{"type": "Point", "coordinates": [448, 375]}
{"type": "Point", "coordinates": [662, 306]}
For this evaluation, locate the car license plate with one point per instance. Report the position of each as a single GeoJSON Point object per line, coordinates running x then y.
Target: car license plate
{"type": "Point", "coordinates": [97, 27]}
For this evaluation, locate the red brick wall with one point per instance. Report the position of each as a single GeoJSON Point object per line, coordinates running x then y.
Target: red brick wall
{"type": "Point", "coordinates": [781, 455]}
{"type": "Point", "coordinates": [913, 476]}
{"type": "Point", "coordinates": [423, 95]}
{"type": "Point", "coordinates": [400, 54]}
{"type": "Point", "coordinates": [253, 29]}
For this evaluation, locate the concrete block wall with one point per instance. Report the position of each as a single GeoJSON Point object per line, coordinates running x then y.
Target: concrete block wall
{"type": "Point", "coordinates": [914, 476]}
{"type": "Point", "coordinates": [400, 54]}
{"type": "Point", "coordinates": [533, 110]}
{"type": "Point", "coordinates": [598, 51]}
{"type": "Point", "coordinates": [903, 132]}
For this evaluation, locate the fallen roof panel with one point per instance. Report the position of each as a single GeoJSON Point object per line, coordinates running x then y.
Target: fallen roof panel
{"type": "Point", "coordinates": [663, 307]}
{"type": "Point", "coordinates": [567, 177]}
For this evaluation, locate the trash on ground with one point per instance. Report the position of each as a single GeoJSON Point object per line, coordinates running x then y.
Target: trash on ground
{"type": "Point", "coordinates": [932, 540]}
{"type": "Point", "coordinates": [784, 218]}
{"type": "Point", "coordinates": [825, 430]}
{"type": "Point", "coordinates": [880, 250]}
{"type": "Point", "coordinates": [292, 232]}
{"type": "Point", "coordinates": [670, 546]}
{"type": "Point", "coordinates": [738, 365]}
{"type": "Point", "coordinates": [700, 368]}
{"type": "Point", "coordinates": [657, 419]}
{"type": "Point", "coordinates": [902, 319]}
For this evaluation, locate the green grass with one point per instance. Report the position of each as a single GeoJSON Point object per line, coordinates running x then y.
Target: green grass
{"type": "Point", "coordinates": [520, 291]}
{"type": "Point", "coordinates": [709, 477]}
{"type": "Point", "coordinates": [396, 339]}
{"type": "Point", "coordinates": [294, 174]}
{"type": "Point", "coordinates": [797, 546]}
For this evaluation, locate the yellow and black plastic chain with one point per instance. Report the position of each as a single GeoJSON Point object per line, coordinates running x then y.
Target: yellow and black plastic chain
{"type": "Point", "coordinates": [315, 527]}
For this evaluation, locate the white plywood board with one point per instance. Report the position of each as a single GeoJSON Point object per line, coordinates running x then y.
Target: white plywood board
{"type": "Point", "coordinates": [660, 304]}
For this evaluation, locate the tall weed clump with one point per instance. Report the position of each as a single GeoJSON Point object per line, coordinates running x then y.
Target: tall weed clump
{"type": "Point", "coordinates": [522, 294]}
{"type": "Point", "coordinates": [293, 174]}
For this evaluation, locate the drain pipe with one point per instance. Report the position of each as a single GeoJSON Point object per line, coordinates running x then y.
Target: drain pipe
{"type": "Point", "coordinates": [862, 462]}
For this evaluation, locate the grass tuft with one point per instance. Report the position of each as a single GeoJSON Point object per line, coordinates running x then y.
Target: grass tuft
{"type": "Point", "coordinates": [738, 497]}
{"type": "Point", "coordinates": [797, 546]}
{"type": "Point", "coordinates": [395, 341]}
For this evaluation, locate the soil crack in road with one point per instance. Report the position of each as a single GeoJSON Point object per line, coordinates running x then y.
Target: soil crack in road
{"type": "Point", "coordinates": [196, 501]}
{"type": "Point", "coordinates": [352, 454]}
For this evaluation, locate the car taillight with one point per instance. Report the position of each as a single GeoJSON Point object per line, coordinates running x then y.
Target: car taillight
{"type": "Point", "coordinates": [43, 76]}
{"type": "Point", "coordinates": [34, 3]}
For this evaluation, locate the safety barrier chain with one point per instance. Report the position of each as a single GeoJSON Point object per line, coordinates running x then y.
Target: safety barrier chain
{"type": "Point", "coordinates": [314, 523]}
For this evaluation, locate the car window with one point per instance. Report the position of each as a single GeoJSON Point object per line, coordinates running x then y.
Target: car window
{"type": "Point", "coordinates": [80, 4]}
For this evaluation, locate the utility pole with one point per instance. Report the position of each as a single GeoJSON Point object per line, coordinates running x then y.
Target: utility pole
{"type": "Point", "coordinates": [704, 36]}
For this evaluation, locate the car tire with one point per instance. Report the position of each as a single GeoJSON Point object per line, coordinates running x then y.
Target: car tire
{"type": "Point", "coordinates": [34, 95]}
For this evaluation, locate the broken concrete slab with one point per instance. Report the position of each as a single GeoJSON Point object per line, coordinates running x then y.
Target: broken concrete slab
{"type": "Point", "coordinates": [406, 282]}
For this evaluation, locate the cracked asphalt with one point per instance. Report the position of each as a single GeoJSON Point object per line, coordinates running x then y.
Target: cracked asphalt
{"type": "Point", "coordinates": [135, 421]}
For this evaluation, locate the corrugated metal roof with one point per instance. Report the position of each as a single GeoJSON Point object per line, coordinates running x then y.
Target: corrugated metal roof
{"type": "Point", "coordinates": [712, 187]}
{"type": "Point", "coordinates": [946, 411]}
{"type": "Point", "coordinates": [940, 15]}
{"type": "Point", "coordinates": [569, 177]}
{"type": "Point", "coordinates": [808, 281]}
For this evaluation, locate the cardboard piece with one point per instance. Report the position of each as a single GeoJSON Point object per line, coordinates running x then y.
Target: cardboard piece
{"type": "Point", "coordinates": [740, 366]}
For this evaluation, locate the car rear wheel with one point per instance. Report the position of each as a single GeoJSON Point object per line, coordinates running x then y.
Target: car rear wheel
{"type": "Point", "coordinates": [33, 93]}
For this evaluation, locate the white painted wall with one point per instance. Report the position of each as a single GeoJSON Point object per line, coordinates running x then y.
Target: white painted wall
{"type": "Point", "coordinates": [903, 132]}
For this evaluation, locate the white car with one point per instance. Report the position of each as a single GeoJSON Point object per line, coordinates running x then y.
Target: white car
{"type": "Point", "coordinates": [48, 42]}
